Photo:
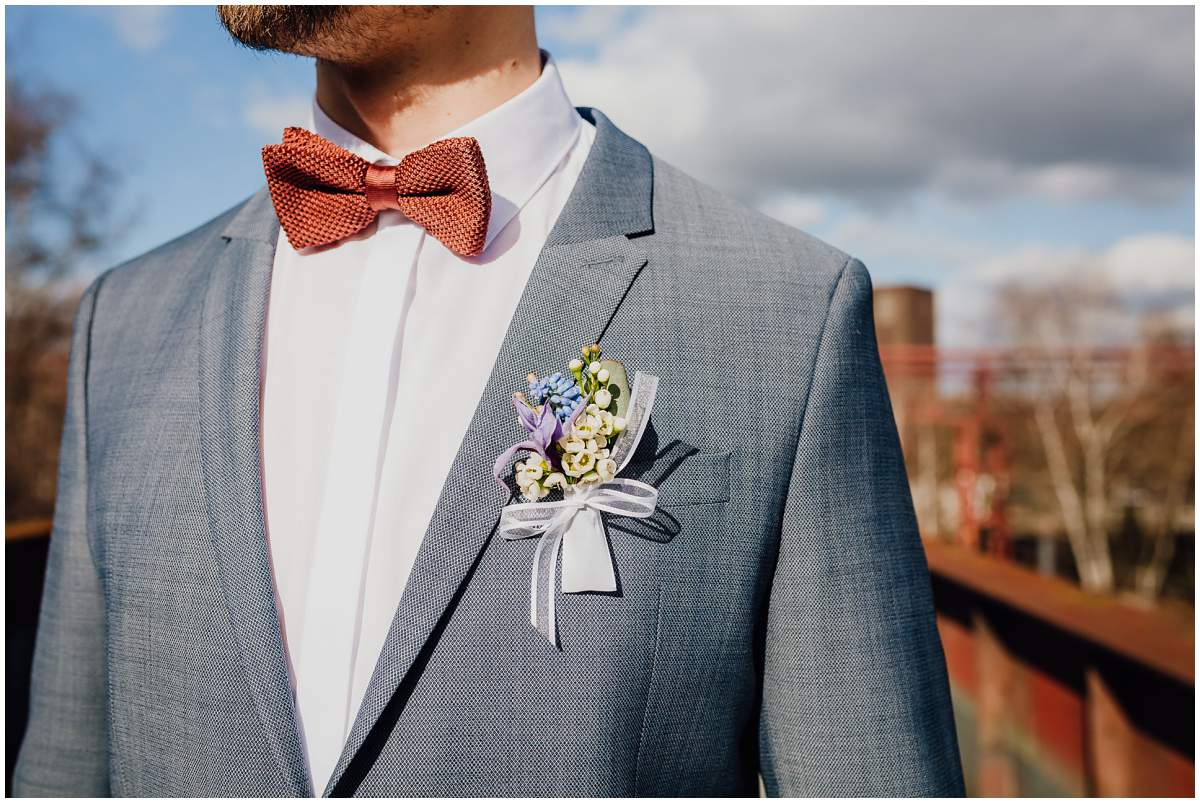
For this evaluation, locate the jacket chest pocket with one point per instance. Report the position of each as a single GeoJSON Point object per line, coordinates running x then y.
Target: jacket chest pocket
{"type": "Point", "coordinates": [683, 474]}
{"type": "Point", "coordinates": [693, 487]}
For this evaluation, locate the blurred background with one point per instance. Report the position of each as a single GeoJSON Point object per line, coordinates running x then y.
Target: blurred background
{"type": "Point", "coordinates": [1019, 181]}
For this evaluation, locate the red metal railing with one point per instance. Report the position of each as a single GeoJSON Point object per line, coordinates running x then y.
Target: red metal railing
{"type": "Point", "coordinates": [1061, 693]}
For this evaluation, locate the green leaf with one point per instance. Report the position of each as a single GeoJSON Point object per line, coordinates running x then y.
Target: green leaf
{"type": "Point", "coordinates": [618, 386]}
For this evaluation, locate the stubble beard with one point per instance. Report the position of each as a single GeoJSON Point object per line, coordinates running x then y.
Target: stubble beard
{"type": "Point", "coordinates": [352, 36]}
{"type": "Point", "coordinates": [302, 30]}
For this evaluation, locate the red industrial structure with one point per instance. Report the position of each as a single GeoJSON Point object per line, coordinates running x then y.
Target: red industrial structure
{"type": "Point", "coordinates": [1056, 691]}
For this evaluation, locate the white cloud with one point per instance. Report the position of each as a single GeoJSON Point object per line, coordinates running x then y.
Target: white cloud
{"type": "Point", "coordinates": [588, 24]}
{"type": "Point", "coordinates": [1064, 181]}
{"type": "Point", "coordinates": [270, 115]}
{"type": "Point", "coordinates": [899, 239]}
{"type": "Point", "coordinates": [1155, 265]}
{"type": "Point", "coordinates": [799, 211]}
{"type": "Point", "coordinates": [1147, 272]}
{"type": "Point", "coordinates": [872, 103]}
{"type": "Point", "coordinates": [142, 28]}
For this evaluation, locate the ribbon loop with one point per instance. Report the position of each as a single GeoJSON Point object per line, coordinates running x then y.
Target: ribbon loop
{"type": "Point", "coordinates": [380, 187]}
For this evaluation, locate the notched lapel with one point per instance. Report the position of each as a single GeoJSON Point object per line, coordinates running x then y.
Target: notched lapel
{"type": "Point", "coordinates": [231, 341]}
{"type": "Point", "coordinates": [579, 281]}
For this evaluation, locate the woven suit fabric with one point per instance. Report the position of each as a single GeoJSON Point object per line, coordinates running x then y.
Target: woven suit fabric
{"type": "Point", "coordinates": [323, 193]}
{"type": "Point", "coordinates": [773, 619]}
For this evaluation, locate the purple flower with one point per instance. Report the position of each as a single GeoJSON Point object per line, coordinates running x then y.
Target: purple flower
{"type": "Point", "coordinates": [544, 430]}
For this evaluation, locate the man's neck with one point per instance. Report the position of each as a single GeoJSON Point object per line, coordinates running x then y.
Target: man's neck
{"type": "Point", "coordinates": [404, 103]}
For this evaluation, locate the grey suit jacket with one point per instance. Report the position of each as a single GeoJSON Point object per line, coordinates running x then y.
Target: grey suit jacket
{"type": "Point", "coordinates": [773, 617]}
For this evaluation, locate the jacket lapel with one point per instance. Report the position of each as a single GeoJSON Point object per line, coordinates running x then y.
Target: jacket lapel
{"type": "Point", "coordinates": [579, 280]}
{"type": "Point", "coordinates": [231, 342]}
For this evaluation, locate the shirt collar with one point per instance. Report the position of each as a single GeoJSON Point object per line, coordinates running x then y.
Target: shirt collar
{"type": "Point", "coordinates": [523, 141]}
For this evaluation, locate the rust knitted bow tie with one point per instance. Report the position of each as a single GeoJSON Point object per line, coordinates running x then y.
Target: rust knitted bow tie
{"type": "Point", "coordinates": [323, 193]}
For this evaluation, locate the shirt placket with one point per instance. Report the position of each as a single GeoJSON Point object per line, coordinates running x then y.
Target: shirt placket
{"type": "Point", "coordinates": [334, 605]}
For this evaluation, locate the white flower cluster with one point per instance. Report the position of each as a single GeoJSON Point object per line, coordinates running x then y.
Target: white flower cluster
{"type": "Point", "coordinates": [586, 457]}
{"type": "Point", "coordinates": [536, 479]}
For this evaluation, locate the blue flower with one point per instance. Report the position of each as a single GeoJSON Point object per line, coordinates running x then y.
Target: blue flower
{"type": "Point", "coordinates": [561, 392]}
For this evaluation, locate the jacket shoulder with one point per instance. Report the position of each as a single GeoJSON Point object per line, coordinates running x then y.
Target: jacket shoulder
{"type": "Point", "coordinates": [696, 218]}
{"type": "Point", "coordinates": [168, 273]}
{"type": "Point", "coordinates": [156, 264]}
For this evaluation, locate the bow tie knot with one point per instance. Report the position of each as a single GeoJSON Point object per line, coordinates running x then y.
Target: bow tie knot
{"type": "Point", "coordinates": [380, 187]}
{"type": "Point", "coordinates": [324, 193]}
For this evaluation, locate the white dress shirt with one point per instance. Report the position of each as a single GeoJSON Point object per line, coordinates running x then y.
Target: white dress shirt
{"type": "Point", "coordinates": [368, 342]}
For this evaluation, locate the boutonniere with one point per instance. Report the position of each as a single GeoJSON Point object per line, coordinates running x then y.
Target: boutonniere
{"type": "Point", "coordinates": [582, 427]}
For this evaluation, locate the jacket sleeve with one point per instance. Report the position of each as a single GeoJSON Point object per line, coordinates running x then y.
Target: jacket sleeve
{"type": "Point", "coordinates": [65, 750]}
{"type": "Point", "coordinates": [855, 699]}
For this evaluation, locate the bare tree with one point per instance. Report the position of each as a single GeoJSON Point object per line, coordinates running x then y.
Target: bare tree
{"type": "Point", "coordinates": [1092, 411]}
{"type": "Point", "coordinates": [1163, 463]}
{"type": "Point", "coordinates": [58, 210]}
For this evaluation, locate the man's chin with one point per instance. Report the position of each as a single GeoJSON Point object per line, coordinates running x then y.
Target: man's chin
{"type": "Point", "coordinates": [289, 29]}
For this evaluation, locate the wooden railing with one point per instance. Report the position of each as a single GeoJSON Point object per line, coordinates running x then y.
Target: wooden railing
{"type": "Point", "coordinates": [29, 528]}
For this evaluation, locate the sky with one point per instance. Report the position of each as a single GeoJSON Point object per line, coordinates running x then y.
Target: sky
{"type": "Point", "coordinates": [950, 148]}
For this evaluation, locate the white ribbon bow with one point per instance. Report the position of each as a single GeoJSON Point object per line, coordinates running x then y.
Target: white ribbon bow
{"type": "Point", "coordinates": [574, 527]}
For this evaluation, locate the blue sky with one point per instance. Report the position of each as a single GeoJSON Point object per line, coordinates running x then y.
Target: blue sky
{"type": "Point", "coordinates": [944, 147]}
